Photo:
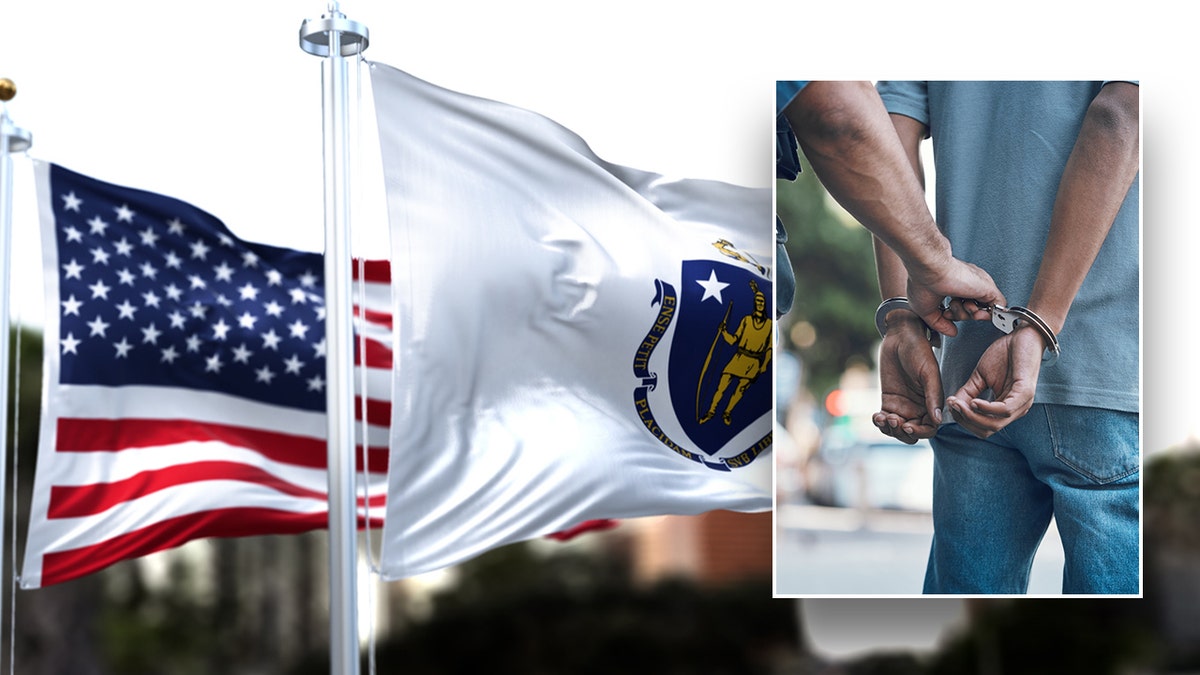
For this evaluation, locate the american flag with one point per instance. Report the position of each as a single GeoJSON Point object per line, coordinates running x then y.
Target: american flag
{"type": "Point", "coordinates": [185, 375]}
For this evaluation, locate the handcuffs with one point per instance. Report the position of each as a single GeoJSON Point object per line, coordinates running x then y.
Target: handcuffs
{"type": "Point", "coordinates": [1007, 319]}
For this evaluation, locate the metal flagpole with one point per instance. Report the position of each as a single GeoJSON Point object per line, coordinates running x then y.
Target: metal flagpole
{"type": "Point", "coordinates": [12, 140]}
{"type": "Point", "coordinates": [334, 37]}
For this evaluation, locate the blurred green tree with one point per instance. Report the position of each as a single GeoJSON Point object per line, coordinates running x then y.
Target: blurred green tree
{"type": "Point", "coordinates": [54, 631]}
{"type": "Point", "coordinates": [521, 613]}
{"type": "Point", "coordinates": [832, 320]}
{"type": "Point", "coordinates": [1171, 557]}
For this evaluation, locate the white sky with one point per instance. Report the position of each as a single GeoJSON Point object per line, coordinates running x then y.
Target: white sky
{"type": "Point", "coordinates": [216, 104]}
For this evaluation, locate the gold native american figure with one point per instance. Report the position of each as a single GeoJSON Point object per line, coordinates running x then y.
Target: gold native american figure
{"type": "Point", "coordinates": [753, 340]}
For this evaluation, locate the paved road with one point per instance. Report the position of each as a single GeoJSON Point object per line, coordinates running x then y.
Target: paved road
{"type": "Point", "coordinates": [825, 551]}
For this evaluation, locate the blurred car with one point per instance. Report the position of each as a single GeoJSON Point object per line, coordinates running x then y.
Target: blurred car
{"type": "Point", "coordinates": [872, 472]}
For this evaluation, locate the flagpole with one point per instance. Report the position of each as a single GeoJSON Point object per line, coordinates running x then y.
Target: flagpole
{"type": "Point", "coordinates": [12, 139]}
{"type": "Point", "coordinates": [335, 37]}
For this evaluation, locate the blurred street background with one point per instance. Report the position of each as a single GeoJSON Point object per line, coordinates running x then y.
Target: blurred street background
{"type": "Point", "coordinates": [853, 505]}
{"type": "Point", "coordinates": [832, 551]}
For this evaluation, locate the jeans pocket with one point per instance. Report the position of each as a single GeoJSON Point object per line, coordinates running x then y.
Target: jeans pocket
{"type": "Point", "coordinates": [1099, 444]}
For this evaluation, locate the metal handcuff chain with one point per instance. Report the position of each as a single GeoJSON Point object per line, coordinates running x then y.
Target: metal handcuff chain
{"type": "Point", "coordinates": [1006, 319]}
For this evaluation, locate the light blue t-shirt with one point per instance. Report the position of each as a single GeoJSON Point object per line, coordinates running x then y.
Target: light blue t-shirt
{"type": "Point", "coordinates": [785, 91]}
{"type": "Point", "coordinates": [1000, 149]}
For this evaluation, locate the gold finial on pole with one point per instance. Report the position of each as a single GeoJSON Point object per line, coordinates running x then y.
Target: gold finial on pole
{"type": "Point", "coordinates": [12, 139]}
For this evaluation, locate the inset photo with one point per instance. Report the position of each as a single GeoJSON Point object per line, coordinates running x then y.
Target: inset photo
{"type": "Point", "coordinates": [958, 372]}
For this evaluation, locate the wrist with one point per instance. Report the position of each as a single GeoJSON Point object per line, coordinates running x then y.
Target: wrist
{"type": "Point", "coordinates": [896, 313]}
{"type": "Point", "coordinates": [1053, 318]}
{"type": "Point", "coordinates": [903, 320]}
{"type": "Point", "coordinates": [1013, 318]}
{"type": "Point", "coordinates": [932, 258]}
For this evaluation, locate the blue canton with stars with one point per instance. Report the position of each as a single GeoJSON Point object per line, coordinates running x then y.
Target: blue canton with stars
{"type": "Point", "coordinates": [154, 291]}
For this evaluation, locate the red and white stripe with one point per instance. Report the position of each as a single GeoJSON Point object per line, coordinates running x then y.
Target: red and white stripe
{"type": "Point", "coordinates": [124, 472]}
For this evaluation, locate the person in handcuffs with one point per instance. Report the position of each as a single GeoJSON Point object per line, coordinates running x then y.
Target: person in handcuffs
{"type": "Point", "coordinates": [1038, 184]}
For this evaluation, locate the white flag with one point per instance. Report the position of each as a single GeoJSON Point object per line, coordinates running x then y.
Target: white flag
{"type": "Point", "coordinates": [575, 340]}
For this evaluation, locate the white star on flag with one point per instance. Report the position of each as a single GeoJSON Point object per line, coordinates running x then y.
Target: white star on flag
{"type": "Point", "coordinates": [712, 287]}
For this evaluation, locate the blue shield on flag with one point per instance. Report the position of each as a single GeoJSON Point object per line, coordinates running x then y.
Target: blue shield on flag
{"type": "Point", "coordinates": [712, 336]}
{"type": "Point", "coordinates": [719, 366]}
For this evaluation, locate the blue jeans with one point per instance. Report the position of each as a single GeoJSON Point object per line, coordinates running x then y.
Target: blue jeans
{"type": "Point", "coordinates": [993, 500]}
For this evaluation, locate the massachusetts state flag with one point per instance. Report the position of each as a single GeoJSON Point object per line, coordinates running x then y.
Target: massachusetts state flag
{"type": "Point", "coordinates": [184, 381]}
{"type": "Point", "coordinates": [576, 340]}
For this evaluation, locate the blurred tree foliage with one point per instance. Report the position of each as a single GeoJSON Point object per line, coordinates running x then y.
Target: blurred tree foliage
{"type": "Point", "coordinates": [1171, 527]}
{"type": "Point", "coordinates": [28, 369]}
{"type": "Point", "coordinates": [1172, 507]}
{"type": "Point", "coordinates": [145, 631]}
{"type": "Point", "coordinates": [836, 289]}
{"type": "Point", "coordinates": [519, 613]}
{"type": "Point", "coordinates": [55, 628]}
{"type": "Point", "coordinates": [1097, 636]}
